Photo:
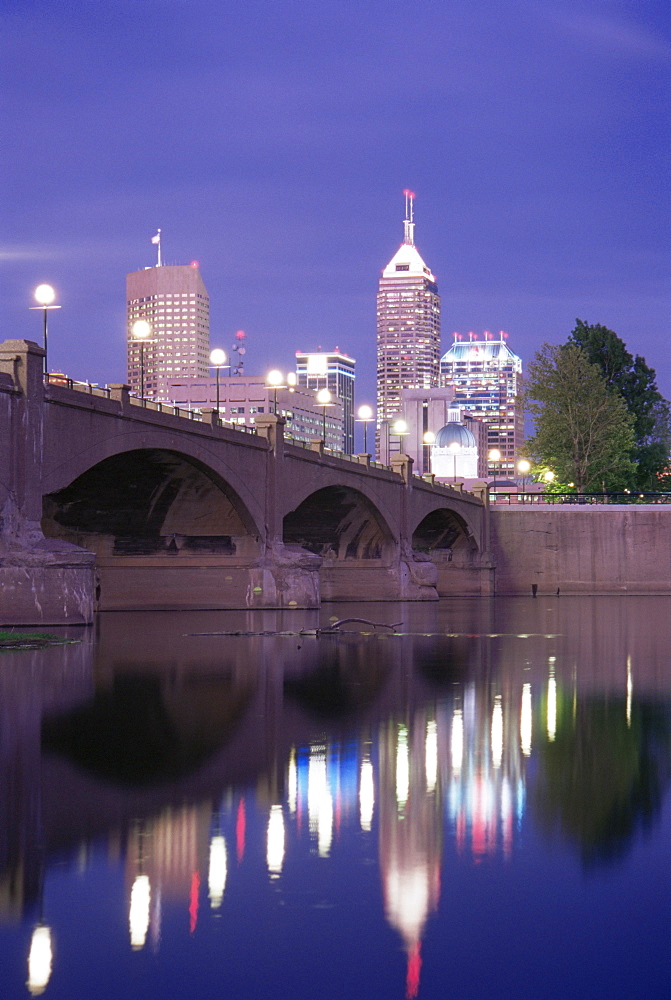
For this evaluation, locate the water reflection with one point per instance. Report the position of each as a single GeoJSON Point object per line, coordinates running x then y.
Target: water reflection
{"type": "Point", "coordinates": [178, 753]}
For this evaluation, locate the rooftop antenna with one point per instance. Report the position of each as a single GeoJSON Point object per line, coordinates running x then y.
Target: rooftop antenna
{"type": "Point", "coordinates": [157, 240]}
{"type": "Point", "coordinates": [409, 221]}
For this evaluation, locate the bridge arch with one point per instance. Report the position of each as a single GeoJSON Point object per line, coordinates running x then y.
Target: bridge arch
{"type": "Point", "coordinates": [339, 522]}
{"type": "Point", "coordinates": [147, 500]}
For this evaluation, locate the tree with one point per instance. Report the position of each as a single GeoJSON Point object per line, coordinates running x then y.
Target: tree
{"type": "Point", "coordinates": [583, 431]}
{"type": "Point", "coordinates": [636, 384]}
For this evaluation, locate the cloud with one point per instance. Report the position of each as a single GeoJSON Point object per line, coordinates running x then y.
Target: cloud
{"type": "Point", "coordinates": [609, 33]}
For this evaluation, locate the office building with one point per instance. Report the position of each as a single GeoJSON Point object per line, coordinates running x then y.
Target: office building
{"type": "Point", "coordinates": [175, 303]}
{"type": "Point", "coordinates": [334, 371]}
{"type": "Point", "coordinates": [424, 412]}
{"type": "Point", "coordinates": [487, 380]}
{"type": "Point", "coordinates": [241, 398]}
{"type": "Point", "coordinates": [408, 324]}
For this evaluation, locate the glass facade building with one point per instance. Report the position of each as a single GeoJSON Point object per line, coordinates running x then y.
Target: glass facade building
{"type": "Point", "coordinates": [487, 380]}
{"type": "Point", "coordinates": [336, 372]}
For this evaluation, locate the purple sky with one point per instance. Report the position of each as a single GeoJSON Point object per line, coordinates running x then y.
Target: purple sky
{"type": "Point", "coordinates": [272, 139]}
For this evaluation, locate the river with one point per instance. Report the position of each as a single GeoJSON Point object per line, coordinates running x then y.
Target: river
{"type": "Point", "coordinates": [473, 806]}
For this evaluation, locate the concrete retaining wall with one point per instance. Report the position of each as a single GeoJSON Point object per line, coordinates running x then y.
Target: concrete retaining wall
{"type": "Point", "coordinates": [582, 550]}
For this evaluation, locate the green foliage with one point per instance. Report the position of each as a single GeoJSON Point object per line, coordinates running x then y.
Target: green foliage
{"type": "Point", "coordinates": [583, 431]}
{"type": "Point", "coordinates": [636, 383]}
{"type": "Point", "coordinates": [600, 776]}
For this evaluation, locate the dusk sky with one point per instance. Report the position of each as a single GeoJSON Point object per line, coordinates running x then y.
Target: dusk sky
{"type": "Point", "coordinates": [271, 140]}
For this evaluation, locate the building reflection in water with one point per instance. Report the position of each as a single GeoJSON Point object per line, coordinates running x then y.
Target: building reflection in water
{"type": "Point", "coordinates": [424, 772]}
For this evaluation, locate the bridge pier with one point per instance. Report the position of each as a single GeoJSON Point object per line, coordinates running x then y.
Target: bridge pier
{"type": "Point", "coordinates": [42, 581]}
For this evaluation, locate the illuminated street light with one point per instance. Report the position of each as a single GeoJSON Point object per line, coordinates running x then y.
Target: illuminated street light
{"type": "Point", "coordinates": [276, 380]}
{"type": "Point", "coordinates": [44, 295]}
{"type": "Point", "coordinates": [455, 449]}
{"type": "Point", "coordinates": [324, 400]}
{"type": "Point", "coordinates": [218, 361]}
{"type": "Point", "coordinates": [141, 331]}
{"type": "Point", "coordinates": [524, 467]}
{"type": "Point", "coordinates": [364, 416]}
{"type": "Point", "coordinates": [428, 439]}
{"type": "Point", "coordinates": [494, 458]}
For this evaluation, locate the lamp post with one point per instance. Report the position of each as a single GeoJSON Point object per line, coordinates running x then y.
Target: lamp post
{"type": "Point", "coordinates": [365, 415]}
{"type": "Point", "coordinates": [218, 361]}
{"type": "Point", "coordinates": [494, 457]}
{"type": "Point", "coordinates": [276, 380]}
{"type": "Point", "coordinates": [400, 429]}
{"type": "Point", "coordinates": [428, 439]}
{"type": "Point", "coordinates": [454, 450]}
{"type": "Point", "coordinates": [44, 295]}
{"type": "Point", "coordinates": [324, 400]}
{"type": "Point", "coordinates": [141, 331]}
{"type": "Point", "coordinates": [523, 466]}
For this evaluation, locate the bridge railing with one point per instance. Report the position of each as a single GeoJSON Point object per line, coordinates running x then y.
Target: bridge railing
{"type": "Point", "coordinates": [545, 499]}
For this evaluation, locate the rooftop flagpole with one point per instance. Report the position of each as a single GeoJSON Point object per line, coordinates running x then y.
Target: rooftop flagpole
{"type": "Point", "coordinates": [157, 240]}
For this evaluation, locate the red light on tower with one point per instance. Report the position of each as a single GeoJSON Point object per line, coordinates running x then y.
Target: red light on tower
{"type": "Point", "coordinates": [194, 263]}
{"type": "Point", "coordinates": [240, 335]}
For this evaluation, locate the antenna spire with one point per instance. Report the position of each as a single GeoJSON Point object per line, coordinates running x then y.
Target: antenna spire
{"type": "Point", "coordinates": [409, 221]}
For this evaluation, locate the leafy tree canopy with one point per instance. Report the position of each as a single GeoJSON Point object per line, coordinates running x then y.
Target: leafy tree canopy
{"type": "Point", "coordinates": [636, 384]}
{"type": "Point", "coordinates": [583, 431]}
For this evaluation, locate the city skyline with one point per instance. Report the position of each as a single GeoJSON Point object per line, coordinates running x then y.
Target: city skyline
{"type": "Point", "coordinates": [272, 146]}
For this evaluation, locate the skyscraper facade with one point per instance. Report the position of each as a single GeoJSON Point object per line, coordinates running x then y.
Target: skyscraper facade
{"type": "Point", "coordinates": [408, 323]}
{"type": "Point", "coordinates": [334, 371]}
{"type": "Point", "coordinates": [487, 381]}
{"type": "Point", "coordinates": [174, 301]}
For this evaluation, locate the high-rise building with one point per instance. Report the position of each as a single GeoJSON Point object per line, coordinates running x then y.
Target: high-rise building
{"type": "Point", "coordinates": [487, 381]}
{"type": "Point", "coordinates": [408, 323]}
{"type": "Point", "coordinates": [175, 303]}
{"type": "Point", "coordinates": [334, 371]}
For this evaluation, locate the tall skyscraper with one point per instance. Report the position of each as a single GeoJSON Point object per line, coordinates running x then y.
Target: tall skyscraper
{"type": "Point", "coordinates": [175, 303]}
{"type": "Point", "coordinates": [408, 323]}
{"type": "Point", "coordinates": [334, 371]}
{"type": "Point", "coordinates": [487, 381]}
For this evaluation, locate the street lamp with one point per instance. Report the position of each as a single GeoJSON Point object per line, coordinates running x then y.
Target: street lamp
{"type": "Point", "coordinates": [400, 428]}
{"type": "Point", "coordinates": [324, 400]}
{"type": "Point", "coordinates": [454, 449]}
{"type": "Point", "coordinates": [494, 457]}
{"type": "Point", "coordinates": [365, 415]}
{"type": "Point", "coordinates": [141, 331]}
{"type": "Point", "coordinates": [275, 380]}
{"type": "Point", "coordinates": [428, 439]}
{"type": "Point", "coordinates": [44, 295]}
{"type": "Point", "coordinates": [524, 467]}
{"type": "Point", "coordinates": [218, 361]}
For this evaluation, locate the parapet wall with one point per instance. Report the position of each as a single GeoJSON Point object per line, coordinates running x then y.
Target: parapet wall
{"type": "Point", "coordinates": [582, 550]}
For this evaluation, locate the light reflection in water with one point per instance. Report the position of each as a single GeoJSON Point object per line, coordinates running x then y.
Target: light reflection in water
{"type": "Point", "coordinates": [216, 877]}
{"type": "Point", "coordinates": [402, 767]}
{"type": "Point", "coordinates": [320, 802]}
{"type": "Point", "coordinates": [292, 782]}
{"type": "Point", "coordinates": [140, 897]}
{"type": "Point", "coordinates": [446, 780]}
{"type": "Point", "coordinates": [552, 707]}
{"type": "Point", "coordinates": [526, 721]}
{"type": "Point", "coordinates": [366, 794]}
{"type": "Point", "coordinates": [457, 743]}
{"type": "Point", "coordinates": [275, 841]}
{"type": "Point", "coordinates": [431, 755]}
{"type": "Point", "coordinates": [39, 960]}
{"type": "Point", "coordinates": [497, 733]}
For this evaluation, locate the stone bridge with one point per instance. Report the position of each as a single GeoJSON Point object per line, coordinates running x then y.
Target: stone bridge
{"type": "Point", "coordinates": [110, 502]}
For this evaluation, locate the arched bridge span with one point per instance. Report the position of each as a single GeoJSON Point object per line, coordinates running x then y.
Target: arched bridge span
{"type": "Point", "coordinates": [149, 508]}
